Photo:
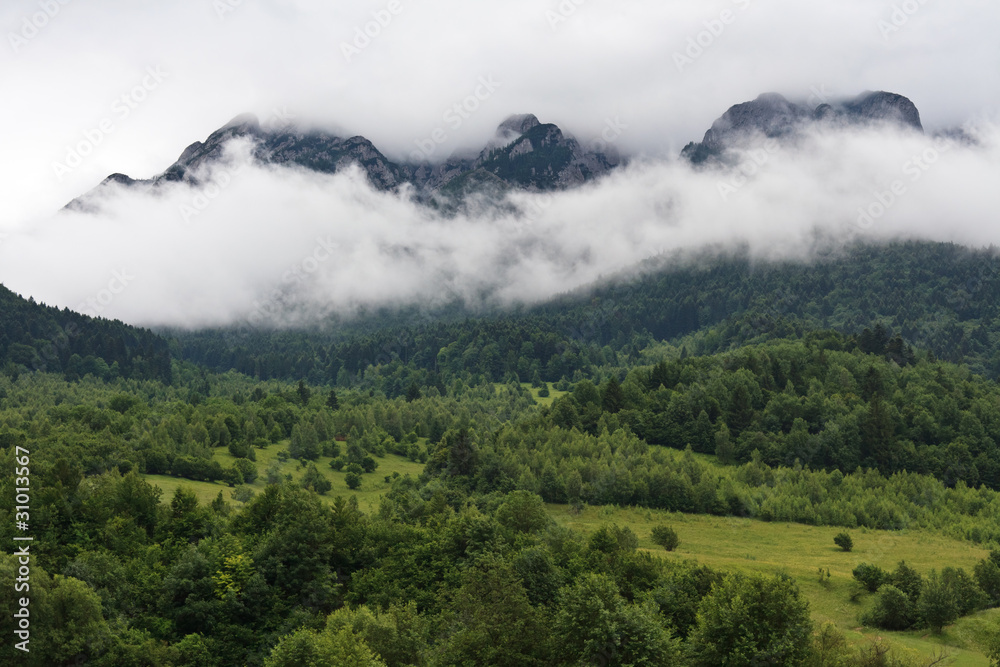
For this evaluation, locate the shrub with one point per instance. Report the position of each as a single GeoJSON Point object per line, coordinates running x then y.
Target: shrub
{"type": "Point", "coordinates": [752, 617]}
{"type": "Point", "coordinates": [892, 610]}
{"type": "Point", "coordinates": [666, 537]}
{"type": "Point", "coordinates": [870, 576]}
{"type": "Point", "coordinates": [844, 541]}
{"type": "Point", "coordinates": [908, 580]}
{"type": "Point", "coordinates": [247, 469]}
{"type": "Point", "coordinates": [313, 479]}
{"type": "Point", "coordinates": [937, 605]}
{"type": "Point", "coordinates": [353, 480]}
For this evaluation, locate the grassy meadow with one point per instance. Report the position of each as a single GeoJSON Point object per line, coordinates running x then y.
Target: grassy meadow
{"type": "Point", "coordinates": [373, 485]}
{"type": "Point", "coordinates": [746, 545]}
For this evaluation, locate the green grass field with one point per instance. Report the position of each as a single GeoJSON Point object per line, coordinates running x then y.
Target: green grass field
{"type": "Point", "coordinates": [544, 401]}
{"type": "Point", "coordinates": [800, 551]}
{"type": "Point", "coordinates": [373, 485]}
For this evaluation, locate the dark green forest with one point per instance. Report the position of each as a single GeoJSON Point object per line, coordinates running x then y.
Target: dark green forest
{"type": "Point", "coordinates": [857, 392]}
{"type": "Point", "coordinates": [940, 298]}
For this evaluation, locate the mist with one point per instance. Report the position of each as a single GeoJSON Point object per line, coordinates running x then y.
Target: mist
{"type": "Point", "coordinates": [284, 246]}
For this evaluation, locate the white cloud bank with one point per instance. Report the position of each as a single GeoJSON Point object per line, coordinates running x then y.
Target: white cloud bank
{"type": "Point", "coordinates": [260, 241]}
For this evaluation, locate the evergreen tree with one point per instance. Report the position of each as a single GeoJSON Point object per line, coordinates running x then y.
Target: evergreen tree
{"type": "Point", "coordinates": [612, 397]}
{"type": "Point", "coordinates": [413, 393]}
{"type": "Point", "coordinates": [303, 393]}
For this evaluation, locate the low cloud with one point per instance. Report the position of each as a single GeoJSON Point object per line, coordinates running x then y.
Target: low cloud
{"type": "Point", "coordinates": [260, 244]}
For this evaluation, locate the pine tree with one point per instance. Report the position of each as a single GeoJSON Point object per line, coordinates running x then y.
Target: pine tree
{"type": "Point", "coordinates": [613, 398]}
{"type": "Point", "coordinates": [725, 451]}
{"type": "Point", "coordinates": [413, 393]}
{"type": "Point", "coordinates": [303, 392]}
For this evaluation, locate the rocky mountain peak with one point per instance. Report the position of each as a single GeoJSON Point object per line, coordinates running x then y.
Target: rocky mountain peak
{"type": "Point", "coordinates": [518, 124]}
{"type": "Point", "coordinates": [880, 106]}
{"type": "Point", "coordinates": [775, 117]}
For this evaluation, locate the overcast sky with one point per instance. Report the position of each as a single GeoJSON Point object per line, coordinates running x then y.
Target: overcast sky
{"type": "Point", "coordinates": [96, 87]}
{"type": "Point", "coordinates": [575, 62]}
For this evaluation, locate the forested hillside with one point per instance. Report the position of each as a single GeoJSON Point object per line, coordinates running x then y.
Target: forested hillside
{"type": "Point", "coordinates": [36, 337]}
{"type": "Point", "coordinates": [939, 297]}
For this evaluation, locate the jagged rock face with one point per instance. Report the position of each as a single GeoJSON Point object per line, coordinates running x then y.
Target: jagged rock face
{"type": "Point", "coordinates": [524, 153]}
{"type": "Point", "coordinates": [519, 124]}
{"type": "Point", "coordinates": [329, 154]}
{"type": "Point", "coordinates": [542, 157]}
{"type": "Point", "coordinates": [773, 116]}
{"type": "Point", "coordinates": [770, 114]}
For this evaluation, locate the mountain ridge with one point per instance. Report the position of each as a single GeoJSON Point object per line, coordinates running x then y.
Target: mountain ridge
{"type": "Point", "coordinates": [775, 117]}
{"type": "Point", "coordinates": [524, 153]}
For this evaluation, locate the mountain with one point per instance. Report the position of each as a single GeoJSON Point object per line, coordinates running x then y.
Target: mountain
{"type": "Point", "coordinates": [524, 154]}
{"type": "Point", "coordinates": [774, 117]}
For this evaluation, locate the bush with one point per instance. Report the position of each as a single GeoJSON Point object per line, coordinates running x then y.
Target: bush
{"type": "Point", "coordinates": [892, 610]}
{"type": "Point", "coordinates": [937, 605]}
{"type": "Point", "coordinates": [368, 464]}
{"type": "Point", "coordinates": [313, 479]}
{"type": "Point", "coordinates": [908, 580]}
{"type": "Point", "coordinates": [870, 576]}
{"type": "Point", "coordinates": [243, 494]}
{"type": "Point", "coordinates": [752, 616]}
{"type": "Point", "coordinates": [666, 537]}
{"type": "Point", "coordinates": [844, 541]}
{"type": "Point", "coordinates": [353, 480]}
{"type": "Point", "coordinates": [969, 596]}
{"type": "Point", "coordinates": [247, 469]}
